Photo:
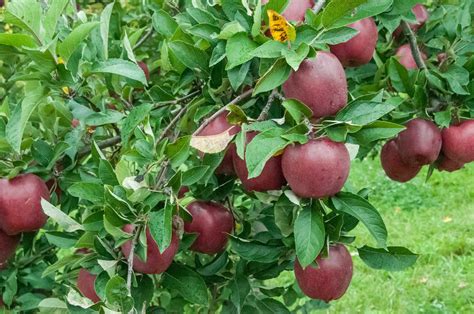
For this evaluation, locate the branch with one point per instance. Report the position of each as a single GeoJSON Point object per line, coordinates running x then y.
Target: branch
{"type": "Point", "coordinates": [218, 112]}
{"type": "Point", "coordinates": [144, 38]}
{"type": "Point", "coordinates": [415, 50]}
{"type": "Point", "coordinates": [175, 101]}
{"type": "Point", "coordinates": [162, 174]}
{"type": "Point", "coordinates": [171, 124]}
{"type": "Point", "coordinates": [103, 144]}
{"type": "Point", "coordinates": [130, 259]}
{"type": "Point", "coordinates": [318, 6]}
{"type": "Point", "coordinates": [264, 114]}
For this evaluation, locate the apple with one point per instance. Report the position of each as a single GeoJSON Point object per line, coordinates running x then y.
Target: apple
{"type": "Point", "coordinates": [359, 49]}
{"type": "Point", "coordinates": [296, 9]}
{"type": "Point", "coordinates": [405, 57]}
{"type": "Point", "coordinates": [330, 280]}
{"type": "Point", "coordinates": [182, 191]}
{"type": "Point", "coordinates": [85, 284]}
{"type": "Point", "coordinates": [320, 83]}
{"type": "Point", "coordinates": [420, 143]}
{"type": "Point", "coordinates": [8, 246]}
{"type": "Point", "coordinates": [393, 165]}
{"type": "Point", "coordinates": [144, 67]}
{"type": "Point", "coordinates": [449, 165]}
{"type": "Point", "coordinates": [442, 57]}
{"type": "Point", "coordinates": [271, 177]}
{"type": "Point", "coordinates": [212, 223]}
{"type": "Point", "coordinates": [218, 125]}
{"type": "Point", "coordinates": [20, 204]}
{"type": "Point", "coordinates": [316, 169]}
{"type": "Point", "coordinates": [75, 123]}
{"type": "Point", "coordinates": [458, 142]}
{"type": "Point", "coordinates": [157, 262]}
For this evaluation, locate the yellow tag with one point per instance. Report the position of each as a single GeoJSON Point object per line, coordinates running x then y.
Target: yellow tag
{"type": "Point", "coordinates": [60, 60]}
{"type": "Point", "coordinates": [66, 90]}
{"type": "Point", "coordinates": [280, 28]}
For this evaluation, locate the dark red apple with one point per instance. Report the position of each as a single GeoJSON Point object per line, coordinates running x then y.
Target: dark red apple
{"type": "Point", "coordinates": [449, 165]}
{"type": "Point", "coordinates": [442, 57]}
{"type": "Point", "coordinates": [330, 280]}
{"type": "Point", "coordinates": [182, 191]}
{"type": "Point", "coordinates": [420, 143]}
{"type": "Point", "coordinates": [217, 126]}
{"type": "Point", "coordinates": [405, 57]}
{"type": "Point", "coordinates": [212, 223]}
{"type": "Point", "coordinates": [271, 177]}
{"type": "Point", "coordinates": [20, 204]}
{"type": "Point", "coordinates": [8, 246]}
{"type": "Point", "coordinates": [296, 9]}
{"type": "Point", "coordinates": [393, 165]}
{"type": "Point", "coordinates": [316, 169]}
{"type": "Point", "coordinates": [359, 49]}
{"type": "Point", "coordinates": [458, 142]}
{"type": "Point", "coordinates": [320, 83]}
{"type": "Point", "coordinates": [144, 67]}
{"type": "Point", "coordinates": [156, 262]}
{"type": "Point", "coordinates": [85, 284]}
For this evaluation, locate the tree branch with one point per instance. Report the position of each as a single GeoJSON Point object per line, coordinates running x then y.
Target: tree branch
{"type": "Point", "coordinates": [318, 6]}
{"type": "Point", "coordinates": [103, 144]}
{"type": "Point", "coordinates": [130, 259]}
{"type": "Point", "coordinates": [144, 38]}
{"type": "Point", "coordinates": [415, 50]}
{"type": "Point", "coordinates": [171, 124]}
{"type": "Point", "coordinates": [176, 101]}
{"type": "Point", "coordinates": [264, 114]}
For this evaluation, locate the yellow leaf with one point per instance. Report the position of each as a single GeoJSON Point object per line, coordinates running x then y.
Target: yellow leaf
{"type": "Point", "coordinates": [280, 28]}
{"type": "Point", "coordinates": [60, 60]}
{"type": "Point", "coordinates": [65, 90]}
{"type": "Point", "coordinates": [212, 144]}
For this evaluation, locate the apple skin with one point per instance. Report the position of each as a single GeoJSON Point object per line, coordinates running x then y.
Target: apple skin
{"type": "Point", "coordinates": [157, 262]}
{"type": "Point", "coordinates": [330, 280]}
{"type": "Point", "coordinates": [144, 67]}
{"type": "Point", "coordinates": [296, 9]}
{"type": "Point", "coordinates": [182, 191]}
{"type": "Point", "coordinates": [316, 169]}
{"type": "Point", "coordinates": [393, 165]}
{"type": "Point", "coordinates": [213, 223]}
{"type": "Point", "coordinates": [271, 177]}
{"type": "Point", "coordinates": [85, 284]}
{"type": "Point", "coordinates": [420, 143]}
{"type": "Point", "coordinates": [405, 57]}
{"type": "Point", "coordinates": [8, 246]}
{"type": "Point", "coordinates": [458, 142]}
{"type": "Point", "coordinates": [217, 126]}
{"type": "Point", "coordinates": [20, 204]}
{"type": "Point", "coordinates": [319, 83]}
{"type": "Point", "coordinates": [75, 123]}
{"type": "Point", "coordinates": [449, 165]}
{"type": "Point", "coordinates": [359, 49]}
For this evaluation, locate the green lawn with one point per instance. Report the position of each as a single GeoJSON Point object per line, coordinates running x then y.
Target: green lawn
{"type": "Point", "coordinates": [434, 219]}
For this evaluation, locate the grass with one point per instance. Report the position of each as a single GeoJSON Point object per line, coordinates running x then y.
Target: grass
{"type": "Point", "coordinates": [433, 219]}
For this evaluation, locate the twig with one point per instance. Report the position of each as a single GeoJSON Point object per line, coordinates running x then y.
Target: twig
{"type": "Point", "coordinates": [264, 114]}
{"type": "Point", "coordinates": [143, 39]}
{"type": "Point", "coordinates": [415, 50]}
{"type": "Point", "coordinates": [176, 101]}
{"type": "Point", "coordinates": [162, 174]}
{"type": "Point", "coordinates": [318, 6]}
{"type": "Point", "coordinates": [171, 124]}
{"type": "Point", "coordinates": [218, 112]}
{"type": "Point", "coordinates": [130, 259]}
{"type": "Point", "coordinates": [103, 144]}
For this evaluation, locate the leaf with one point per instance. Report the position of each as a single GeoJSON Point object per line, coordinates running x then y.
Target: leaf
{"type": "Point", "coordinates": [294, 58]}
{"type": "Point", "coordinates": [399, 77]}
{"type": "Point", "coordinates": [283, 213]}
{"type": "Point", "coordinates": [164, 24]}
{"type": "Point", "coordinates": [218, 54]}
{"type": "Point", "coordinates": [106, 173]}
{"type": "Point", "coordinates": [271, 306]}
{"type": "Point", "coordinates": [238, 74]}
{"type": "Point", "coordinates": [457, 78]}
{"type": "Point", "coordinates": [74, 39]}
{"type": "Point", "coordinates": [104, 28]}
{"type": "Point", "coordinates": [362, 112]}
{"type": "Point", "coordinates": [336, 36]}
{"type": "Point", "coordinates": [93, 192]}
{"type": "Point", "coordinates": [134, 118]}
{"type": "Point", "coordinates": [212, 144]}
{"type": "Point", "coordinates": [63, 220]}
{"type": "Point", "coordinates": [256, 251]}
{"type": "Point", "coordinates": [270, 49]}
{"type": "Point", "coordinates": [187, 283]}
{"type": "Point", "coordinates": [309, 235]}
{"type": "Point", "coordinates": [257, 19]}
{"type": "Point", "coordinates": [378, 130]}
{"type": "Point", "coordinates": [51, 19]}
{"type": "Point", "coordinates": [361, 209]}
{"type": "Point", "coordinates": [337, 9]}
{"type": "Point", "coordinates": [27, 15]}
{"type": "Point", "coordinates": [178, 151]}
{"type": "Point", "coordinates": [121, 67]}
{"type": "Point", "coordinates": [395, 258]}
{"type": "Point", "coordinates": [262, 147]}
{"type": "Point", "coordinates": [190, 56]}
{"type": "Point", "coordinates": [160, 224]}
{"type": "Point", "coordinates": [239, 50]}
{"type": "Point", "coordinates": [230, 29]}
{"type": "Point", "coordinates": [17, 40]}
{"type": "Point", "coordinates": [297, 110]}
{"type": "Point", "coordinates": [370, 8]}
{"type": "Point", "coordinates": [194, 174]}
{"type": "Point", "coordinates": [280, 28]}
{"type": "Point", "coordinates": [240, 288]}
{"type": "Point", "coordinates": [116, 293]}
{"type": "Point", "coordinates": [274, 77]}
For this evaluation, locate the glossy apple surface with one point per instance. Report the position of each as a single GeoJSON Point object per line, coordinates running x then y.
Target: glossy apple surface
{"type": "Point", "coordinates": [8, 246]}
{"type": "Point", "coordinates": [405, 57]}
{"type": "Point", "coordinates": [393, 165]}
{"type": "Point", "coordinates": [85, 284]}
{"type": "Point", "coordinates": [458, 142]}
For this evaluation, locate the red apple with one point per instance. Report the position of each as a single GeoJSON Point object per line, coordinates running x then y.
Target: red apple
{"type": "Point", "coordinates": [421, 14]}
{"type": "Point", "coordinates": [320, 83]}
{"type": "Point", "coordinates": [75, 123]}
{"type": "Point", "coordinates": [20, 204]}
{"type": "Point", "coordinates": [212, 223]}
{"type": "Point", "coordinates": [442, 57]}
{"type": "Point", "coordinates": [144, 67]}
{"type": "Point", "coordinates": [393, 165]}
{"type": "Point", "coordinates": [316, 169]}
{"type": "Point", "coordinates": [85, 284]}
{"type": "Point", "coordinates": [449, 165]}
{"type": "Point", "coordinates": [182, 191]}
{"type": "Point", "coordinates": [157, 262]}
{"type": "Point", "coordinates": [296, 9]}
{"type": "Point", "coordinates": [359, 49]}
{"type": "Point", "coordinates": [330, 280]}
{"type": "Point", "coordinates": [420, 143]}
{"type": "Point", "coordinates": [8, 246]}
{"type": "Point", "coordinates": [217, 126]}
{"type": "Point", "coordinates": [458, 142]}
{"type": "Point", "coordinates": [405, 57]}
{"type": "Point", "coordinates": [271, 177]}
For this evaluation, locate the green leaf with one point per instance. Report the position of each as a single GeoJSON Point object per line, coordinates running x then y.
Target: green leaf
{"type": "Point", "coordinates": [256, 251]}
{"type": "Point", "coordinates": [160, 225]}
{"type": "Point", "coordinates": [106, 173]}
{"type": "Point", "coordinates": [27, 15]}
{"type": "Point", "coordinates": [230, 29]}
{"type": "Point", "coordinates": [187, 283]}
{"type": "Point", "coordinates": [104, 28]}
{"type": "Point", "coordinates": [206, 31]}
{"type": "Point", "coordinates": [240, 288]}
{"type": "Point", "coordinates": [52, 16]}
{"type": "Point", "coordinates": [443, 118]}
{"type": "Point", "coordinates": [164, 24]}
{"type": "Point", "coordinates": [370, 8]}
{"type": "Point", "coordinates": [295, 57]}
{"type": "Point", "coordinates": [194, 174]}
{"type": "Point", "coordinates": [309, 235]}
{"type": "Point", "coordinates": [93, 192]}
{"type": "Point", "coordinates": [297, 110]}
{"type": "Point", "coordinates": [190, 56]}
{"type": "Point", "coordinates": [378, 130]}
{"type": "Point", "coordinates": [362, 112]}
{"type": "Point", "coordinates": [257, 19]}
{"type": "Point", "coordinates": [239, 50]}
{"type": "Point", "coordinates": [270, 49]}
{"type": "Point", "coordinates": [457, 78]}
{"type": "Point", "coordinates": [271, 306]}
{"type": "Point", "coordinates": [274, 77]}
{"type": "Point", "coordinates": [399, 77]}
{"type": "Point", "coordinates": [75, 39]}
{"type": "Point", "coordinates": [178, 151]}
{"type": "Point", "coordinates": [336, 36]}
{"type": "Point", "coordinates": [121, 67]}
{"type": "Point", "coordinates": [116, 293]}
{"type": "Point", "coordinates": [63, 220]}
{"type": "Point", "coordinates": [218, 54]}
{"type": "Point", "coordinates": [361, 209]}
{"type": "Point", "coordinates": [134, 118]}
{"type": "Point", "coordinates": [17, 40]}
{"type": "Point", "coordinates": [283, 212]}
{"type": "Point", "coordinates": [337, 9]}
{"type": "Point", "coordinates": [238, 74]}
{"type": "Point", "coordinates": [395, 258]}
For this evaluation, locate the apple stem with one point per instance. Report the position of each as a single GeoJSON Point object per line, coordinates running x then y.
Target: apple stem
{"type": "Point", "coordinates": [318, 6]}
{"type": "Point", "coordinates": [264, 114]}
{"type": "Point", "coordinates": [130, 259]}
{"type": "Point", "coordinates": [415, 50]}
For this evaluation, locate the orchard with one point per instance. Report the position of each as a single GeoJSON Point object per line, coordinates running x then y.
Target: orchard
{"type": "Point", "coordinates": [176, 156]}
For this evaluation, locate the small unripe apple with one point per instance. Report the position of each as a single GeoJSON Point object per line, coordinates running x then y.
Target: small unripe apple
{"type": "Point", "coordinates": [330, 280]}
{"type": "Point", "coordinates": [85, 284]}
{"type": "Point", "coordinates": [316, 169]}
{"type": "Point", "coordinates": [20, 204]}
{"type": "Point", "coordinates": [458, 142]}
{"type": "Point", "coordinates": [393, 165]}
{"type": "Point", "coordinates": [449, 165]}
{"type": "Point", "coordinates": [217, 126]}
{"type": "Point", "coordinates": [296, 9]}
{"type": "Point", "coordinates": [320, 83]}
{"type": "Point", "coordinates": [212, 223]}
{"type": "Point", "coordinates": [157, 262]}
{"type": "Point", "coordinates": [144, 67]}
{"type": "Point", "coordinates": [271, 177]}
{"type": "Point", "coordinates": [420, 143]}
{"type": "Point", "coordinates": [8, 246]}
{"type": "Point", "coordinates": [405, 57]}
{"type": "Point", "coordinates": [359, 49]}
